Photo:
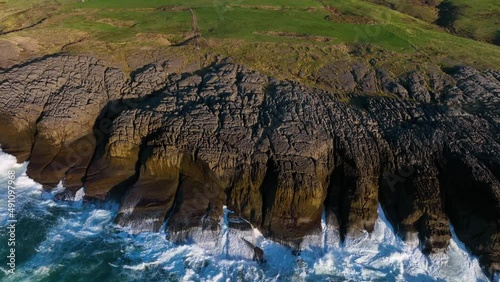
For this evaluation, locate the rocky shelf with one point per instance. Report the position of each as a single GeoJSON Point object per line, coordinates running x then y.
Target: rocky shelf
{"type": "Point", "coordinates": [180, 145]}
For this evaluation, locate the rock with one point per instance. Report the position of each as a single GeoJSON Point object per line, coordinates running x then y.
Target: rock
{"type": "Point", "coordinates": [258, 253]}
{"type": "Point", "coordinates": [389, 85]}
{"type": "Point", "coordinates": [54, 112]}
{"type": "Point", "coordinates": [349, 77]}
{"type": "Point", "coordinates": [178, 147]}
{"type": "Point", "coordinates": [417, 87]}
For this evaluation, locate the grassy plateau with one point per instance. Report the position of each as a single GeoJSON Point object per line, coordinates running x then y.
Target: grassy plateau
{"type": "Point", "coordinates": [285, 38]}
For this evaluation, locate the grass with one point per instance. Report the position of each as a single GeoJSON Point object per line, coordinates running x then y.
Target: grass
{"type": "Point", "coordinates": [121, 26]}
{"type": "Point", "coordinates": [479, 19]}
{"type": "Point", "coordinates": [232, 26]}
{"type": "Point", "coordinates": [238, 21]}
{"type": "Point", "coordinates": [425, 10]}
{"type": "Point", "coordinates": [106, 4]}
{"type": "Point", "coordinates": [271, 36]}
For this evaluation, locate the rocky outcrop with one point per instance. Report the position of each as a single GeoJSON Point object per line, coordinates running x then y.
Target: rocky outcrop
{"type": "Point", "coordinates": [177, 147]}
{"type": "Point", "coordinates": [258, 253]}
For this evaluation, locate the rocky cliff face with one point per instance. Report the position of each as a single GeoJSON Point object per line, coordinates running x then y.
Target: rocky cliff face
{"type": "Point", "coordinates": [179, 146]}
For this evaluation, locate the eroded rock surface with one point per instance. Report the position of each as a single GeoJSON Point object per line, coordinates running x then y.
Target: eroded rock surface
{"type": "Point", "coordinates": [179, 146]}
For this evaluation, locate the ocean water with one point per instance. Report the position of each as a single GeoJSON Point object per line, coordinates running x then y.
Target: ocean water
{"type": "Point", "coordinates": [76, 241]}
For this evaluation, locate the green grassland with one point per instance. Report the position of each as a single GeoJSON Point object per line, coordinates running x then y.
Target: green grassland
{"type": "Point", "coordinates": [289, 39]}
{"type": "Point", "coordinates": [479, 19]}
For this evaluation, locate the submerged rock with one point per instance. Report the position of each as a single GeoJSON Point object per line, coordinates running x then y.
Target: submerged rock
{"type": "Point", "coordinates": [258, 253]}
{"type": "Point", "coordinates": [179, 146]}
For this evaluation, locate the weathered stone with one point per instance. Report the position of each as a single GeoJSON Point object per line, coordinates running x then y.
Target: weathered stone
{"type": "Point", "coordinates": [178, 147]}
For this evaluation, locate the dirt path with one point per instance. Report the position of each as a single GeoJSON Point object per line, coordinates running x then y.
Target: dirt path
{"type": "Point", "coordinates": [194, 35]}
{"type": "Point", "coordinates": [194, 23]}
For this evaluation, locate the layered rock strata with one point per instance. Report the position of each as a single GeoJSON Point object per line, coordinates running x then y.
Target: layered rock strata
{"type": "Point", "coordinates": [177, 146]}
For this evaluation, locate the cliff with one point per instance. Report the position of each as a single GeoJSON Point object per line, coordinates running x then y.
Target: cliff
{"type": "Point", "coordinates": [180, 145]}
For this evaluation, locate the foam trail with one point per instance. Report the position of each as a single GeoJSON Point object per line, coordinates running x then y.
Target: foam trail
{"type": "Point", "coordinates": [225, 232]}
{"type": "Point", "coordinates": [323, 231]}
{"type": "Point", "coordinates": [79, 241]}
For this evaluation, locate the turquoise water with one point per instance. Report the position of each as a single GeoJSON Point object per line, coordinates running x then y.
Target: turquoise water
{"type": "Point", "coordinates": [76, 241]}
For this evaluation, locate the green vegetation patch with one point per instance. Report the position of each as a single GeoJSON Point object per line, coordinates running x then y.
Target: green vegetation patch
{"type": "Point", "coordinates": [284, 38]}
{"type": "Point", "coordinates": [479, 19]}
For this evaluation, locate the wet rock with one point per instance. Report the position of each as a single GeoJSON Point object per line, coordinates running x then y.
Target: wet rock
{"type": "Point", "coordinates": [258, 253]}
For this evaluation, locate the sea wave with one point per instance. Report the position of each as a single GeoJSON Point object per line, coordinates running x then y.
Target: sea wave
{"type": "Point", "coordinates": [78, 241]}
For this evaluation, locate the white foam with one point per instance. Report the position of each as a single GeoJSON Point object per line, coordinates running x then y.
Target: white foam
{"type": "Point", "coordinates": [9, 162]}
{"type": "Point", "coordinates": [79, 195]}
{"type": "Point", "coordinates": [380, 255]}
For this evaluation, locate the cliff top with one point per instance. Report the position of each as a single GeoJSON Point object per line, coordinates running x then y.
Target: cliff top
{"type": "Point", "coordinates": [284, 39]}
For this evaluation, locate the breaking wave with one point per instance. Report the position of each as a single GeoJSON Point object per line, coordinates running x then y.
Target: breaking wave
{"type": "Point", "coordinates": [77, 241]}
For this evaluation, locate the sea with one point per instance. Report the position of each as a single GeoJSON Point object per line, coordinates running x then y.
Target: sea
{"type": "Point", "coordinates": [78, 241]}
